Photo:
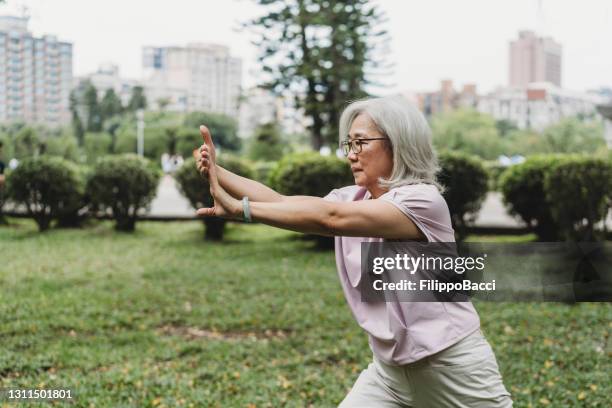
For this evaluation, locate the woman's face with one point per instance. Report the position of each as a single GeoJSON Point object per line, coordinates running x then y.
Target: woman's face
{"type": "Point", "coordinates": [375, 159]}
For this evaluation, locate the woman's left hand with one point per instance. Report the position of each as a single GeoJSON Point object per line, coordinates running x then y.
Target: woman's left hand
{"type": "Point", "coordinates": [225, 206]}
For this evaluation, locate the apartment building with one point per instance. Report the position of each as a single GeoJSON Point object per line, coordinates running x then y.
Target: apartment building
{"type": "Point", "coordinates": [35, 75]}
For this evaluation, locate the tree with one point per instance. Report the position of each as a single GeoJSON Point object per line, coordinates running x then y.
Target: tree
{"type": "Point", "coordinates": [467, 131]}
{"type": "Point", "coordinates": [111, 126]}
{"type": "Point", "coordinates": [322, 52]}
{"type": "Point", "coordinates": [110, 105]}
{"type": "Point", "coordinates": [523, 142]}
{"type": "Point", "coordinates": [223, 128]}
{"type": "Point", "coordinates": [77, 123]}
{"type": "Point", "coordinates": [138, 99]}
{"type": "Point", "coordinates": [505, 126]}
{"type": "Point", "coordinates": [93, 113]}
{"type": "Point", "coordinates": [571, 135]}
{"type": "Point", "coordinates": [266, 143]}
{"type": "Point", "coordinates": [163, 103]}
{"type": "Point", "coordinates": [171, 139]}
{"type": "Point", "coordinates": [26, 143]}
{"type": "Point", "coordinates": [64, 146]}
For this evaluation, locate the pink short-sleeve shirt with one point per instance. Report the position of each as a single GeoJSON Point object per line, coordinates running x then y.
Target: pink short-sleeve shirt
{"type": "Point", "coordinates": [401, 332]}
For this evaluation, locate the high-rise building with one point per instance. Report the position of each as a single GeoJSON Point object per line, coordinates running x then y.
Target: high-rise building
{"type": "Point", "coordinates": [35, 75]}
{"type": "Point", "coordinates": [534, 59]}
{"type": "Point", "coordinates": [198, 77]}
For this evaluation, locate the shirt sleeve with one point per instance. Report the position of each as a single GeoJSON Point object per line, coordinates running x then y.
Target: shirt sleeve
{"type": "Point", "coordinates": [332, 196]}
{"type": "Point", "coordinates": [426, 207]}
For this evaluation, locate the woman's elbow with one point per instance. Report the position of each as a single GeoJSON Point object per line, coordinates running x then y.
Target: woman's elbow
{"type": "Point", "coordinates": [332, 222]}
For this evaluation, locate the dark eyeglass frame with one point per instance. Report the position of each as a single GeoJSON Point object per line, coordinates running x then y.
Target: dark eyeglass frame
{"type": "Point", "coordinates": [355, 145]}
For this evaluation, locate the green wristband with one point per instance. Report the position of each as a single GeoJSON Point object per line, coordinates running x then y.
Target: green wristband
{"type": "Point", "coordinates": [246, 210]}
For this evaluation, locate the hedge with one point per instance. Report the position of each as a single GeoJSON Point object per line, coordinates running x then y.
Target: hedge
{"type": "Point", "coordinates": [123, 184]}
{"type": "Point", "coordinates": [579, 193]}
{"type": "Point", "coordinates": [560, 196]}
{"type": "Point", "coordinates": [48, 187]}
{"type": "Point", "coordinates": [465, 181]}
{"type": "Point", "coordinates": [523, 192]}
{"type": "Point", "coordinates": [310, 174]}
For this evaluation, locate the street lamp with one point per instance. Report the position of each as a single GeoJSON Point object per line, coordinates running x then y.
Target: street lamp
{"type": "Point", "coordinates": [606, 112]}
{"type": "Point", "coordinates": [140, 131]}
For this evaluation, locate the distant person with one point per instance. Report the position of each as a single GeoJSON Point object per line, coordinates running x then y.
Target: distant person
{"type": "Point", "coordinates": [13, 163]}
{"type": "Point", "coordinates": [178, 161]}
{"type": "Point", "coordinates": [2, 167]}
{"type": "Point", "coordinates": [425, 354]}
{"type": "Point", "coordinates": [165, 163]}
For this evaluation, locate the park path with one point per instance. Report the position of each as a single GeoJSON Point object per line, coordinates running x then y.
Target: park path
{"type": "Point", "coordinates": [169, 202]}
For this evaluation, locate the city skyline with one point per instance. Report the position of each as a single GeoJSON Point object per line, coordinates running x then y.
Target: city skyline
{"type": "Point", "coordinates": [454, 47]}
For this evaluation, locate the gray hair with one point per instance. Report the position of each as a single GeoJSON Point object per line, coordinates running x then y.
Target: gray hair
{"type": "Point", "coordinates": [414, 158]}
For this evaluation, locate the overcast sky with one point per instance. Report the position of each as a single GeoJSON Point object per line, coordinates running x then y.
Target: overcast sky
{"type": "Point", "coordinates": [466, 41]}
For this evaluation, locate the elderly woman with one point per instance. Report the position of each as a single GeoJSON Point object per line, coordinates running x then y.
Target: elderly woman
{"type": "Point", "coordinates": [425, 354]}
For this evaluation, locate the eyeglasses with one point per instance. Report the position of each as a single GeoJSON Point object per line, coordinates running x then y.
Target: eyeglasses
{"type": "Point", "coordinates": [356, 145]}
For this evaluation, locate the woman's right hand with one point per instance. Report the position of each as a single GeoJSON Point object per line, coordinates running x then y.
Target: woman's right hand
{"type": "Point", "coordinates": [208, 159]}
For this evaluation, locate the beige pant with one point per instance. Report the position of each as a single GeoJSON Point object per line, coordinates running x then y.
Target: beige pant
{"type": "Point", "coordinates": [464, 375]}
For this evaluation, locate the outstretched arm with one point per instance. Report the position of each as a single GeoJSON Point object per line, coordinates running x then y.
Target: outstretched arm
{"type": "Point", "coordinates": [238, 187]}
{"type": "Point", "coordinates": [370, 218]}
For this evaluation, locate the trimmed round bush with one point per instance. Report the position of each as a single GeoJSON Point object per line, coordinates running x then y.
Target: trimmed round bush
{"type": "Point", "coordinates": [314, 175]}
{"type": "Point", "coordinates": [522, 187]}
{"type": "Point", "coordinates": [465, 180]}
{"type": "Point", "coordinates": [579, 192]}
{"type": "Point", "coordinates": [48, 187]}
{"type": "Point", "coordinates": [197, 190]}
{"type": "Point", "coordinates": [310, 174]}
{"type": "Point", "coordinates": [123, 185]}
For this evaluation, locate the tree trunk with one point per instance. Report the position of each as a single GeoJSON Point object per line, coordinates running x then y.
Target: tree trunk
{"type": "Point", "coordinates": [71, 220]}
{"type": "Point", "coordinates": [214, 228]}
{"type": "Point", "coordinates": [125, 223]}
{"type": "Point", "coordinates": [43, 221]}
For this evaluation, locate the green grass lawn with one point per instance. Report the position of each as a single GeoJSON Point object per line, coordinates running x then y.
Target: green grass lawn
{"type": "Point", "coordinates": [162, 318]}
